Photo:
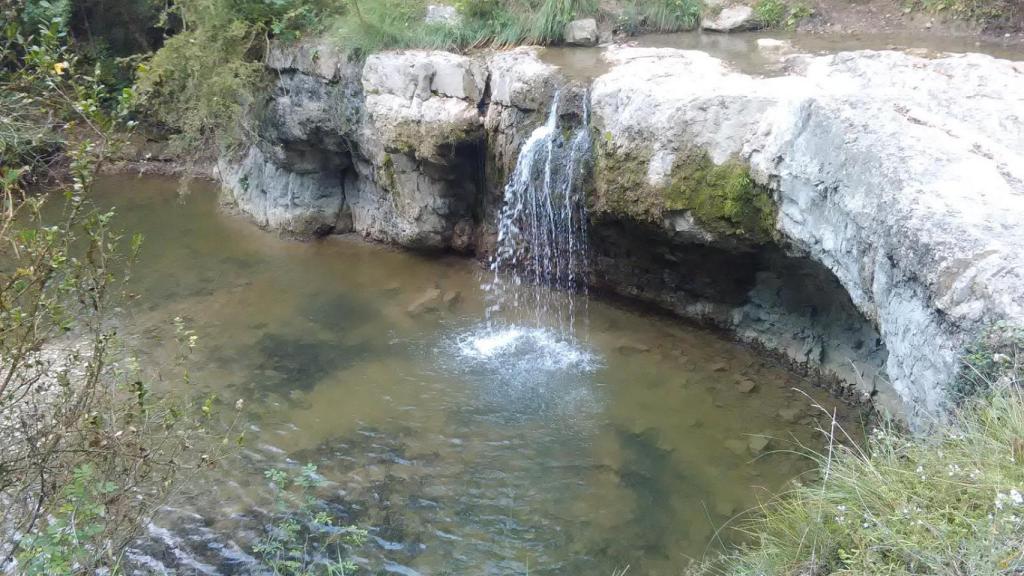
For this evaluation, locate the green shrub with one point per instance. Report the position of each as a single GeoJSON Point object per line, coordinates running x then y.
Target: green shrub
{"type": "Point", "coordinates": [780, 13]}
{"type": "Point", "coordinates": [947, 504]}
{"type": "Point", "coordinates": [771, 13]}
{"type": "Point", "coordinates": [986, 361]}
{"type": "Point", "coordinates": [87, 450]}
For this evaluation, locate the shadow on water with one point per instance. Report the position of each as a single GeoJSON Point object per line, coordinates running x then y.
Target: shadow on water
{"type": "Point", "coordinates": [339, 312]}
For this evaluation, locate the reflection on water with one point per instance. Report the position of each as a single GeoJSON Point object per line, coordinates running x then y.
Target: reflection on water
{"type": "Point", "coordinates": [514, 453]}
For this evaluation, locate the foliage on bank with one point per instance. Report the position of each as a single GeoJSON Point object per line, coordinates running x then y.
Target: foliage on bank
{"type": "Point", "coordinates": [994, 15]}
{"type": "Point", "coordinates": [949, 503]}
{"type": "Point", "coordinates": [88, 448]}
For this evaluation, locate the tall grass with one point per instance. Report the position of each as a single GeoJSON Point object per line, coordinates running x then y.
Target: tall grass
{"type": "Point", "coordinates": [373, 25]}
{"type": "Point", "coordinates": [947, 504]}
{"type": "Point", "coordinates": [660, 16]}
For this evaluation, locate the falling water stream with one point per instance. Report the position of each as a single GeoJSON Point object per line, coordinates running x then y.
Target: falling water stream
{"type": "Point", "coordinates": [537, 275]}
{"type": "Point", "coordinates": [542, 227]}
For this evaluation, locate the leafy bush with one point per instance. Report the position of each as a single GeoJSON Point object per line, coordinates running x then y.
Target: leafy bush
{"type": "Point", "coordinates": [985, 362]}
{"type": "Point", "coordinates": [203, 80]}
{"type": "Point", "coordinates": [948, 504]}
{"type": "Point", "coordinates": [771, 13]}
{"type": "Point", "coordinates": [780, 13]}
{"type": "Point", "coordinates": [87, 449]}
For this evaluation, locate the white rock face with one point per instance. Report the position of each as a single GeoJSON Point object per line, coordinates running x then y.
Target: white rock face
{"type": "Point", "coordinates": [581, 32]}
{"type": "Point", "coordinates": [414, 187]}
{"type": "Point", "coordinates": [903, 176]}
{"type": "Point", "coordinates": [422, 74]}
{"type": "Point", "coordinates": [519, 78]}
{"type": "Point", "coordinates": [731, 19]}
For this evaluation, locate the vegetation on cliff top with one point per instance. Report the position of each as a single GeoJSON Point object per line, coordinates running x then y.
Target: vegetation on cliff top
{"type": "Point", "coordinates": [722, 198]}
{"type": "Point", "coordinates": [206, 75]}
{"type": "Point", "coordinates": [950, 503]}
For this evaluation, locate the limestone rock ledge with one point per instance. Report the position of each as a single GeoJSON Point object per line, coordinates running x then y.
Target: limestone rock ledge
{"type": "Point", "coordinates": [903, 176]}
{"type": "Point", "coordinates": [392, 148]}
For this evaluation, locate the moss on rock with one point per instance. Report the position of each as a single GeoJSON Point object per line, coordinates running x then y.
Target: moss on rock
{"type": "Point", "coordinates": [621, 184]}
{"type": "Point", "coordinates": [722, 198]}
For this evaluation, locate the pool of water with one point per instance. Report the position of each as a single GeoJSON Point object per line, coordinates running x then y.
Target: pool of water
{"type": "Point", "coordinates": [463, 449]}
{"type": "Point", "coordinates": [741, 51]}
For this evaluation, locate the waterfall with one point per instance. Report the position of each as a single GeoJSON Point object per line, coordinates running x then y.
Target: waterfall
{"type": "Point", "coordinates": [540, 262]}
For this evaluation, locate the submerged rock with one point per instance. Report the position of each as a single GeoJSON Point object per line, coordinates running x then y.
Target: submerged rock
{"type": "Point", "coordinates": [790, 414]}
{"type": "Point", "coordinates": [429, 301]}
{"type": "Point", "coordinates": [758, 444]}
{"type": "Point", "coordinates": [746, 386]}
{"type": "Point", "coordinates": [774, 46]}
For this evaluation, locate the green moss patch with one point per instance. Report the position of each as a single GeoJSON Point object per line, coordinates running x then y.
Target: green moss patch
{"type": "Point", "coordinates": [723, 198]}
{"type": "Point", "coordinates": [621, 185]}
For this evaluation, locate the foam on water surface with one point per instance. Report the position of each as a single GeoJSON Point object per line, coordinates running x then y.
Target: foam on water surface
{"type": "Point", "coordinates": [536, 348]}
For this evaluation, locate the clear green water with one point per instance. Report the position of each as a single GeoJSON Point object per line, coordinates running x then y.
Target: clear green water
{"type": "Point", "coordinates": [629, 448]}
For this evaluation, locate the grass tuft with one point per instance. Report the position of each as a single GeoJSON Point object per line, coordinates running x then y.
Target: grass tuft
{"type": "Point", "coordinates": [642, 16]}
{"type": "Point", "coordinates": [781, 14]}
{"type": "Point", "coordinates": [389, 24]}
{"type": "Point", "coordinates": [951, 503]}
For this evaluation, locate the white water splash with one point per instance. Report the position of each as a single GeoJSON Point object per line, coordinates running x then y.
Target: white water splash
{"type": "Point", "coordinates": [531, 349]}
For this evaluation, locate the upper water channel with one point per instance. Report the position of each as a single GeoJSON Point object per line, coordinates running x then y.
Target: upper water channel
{"type": "Point", "coordinates": [462, 449]}
{"type": "Point", "coordinates": [743, 53]}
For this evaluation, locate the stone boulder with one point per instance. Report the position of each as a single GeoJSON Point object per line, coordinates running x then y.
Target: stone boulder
{"type": "Point", "coordinates": [443, 14]}
{"type": "Point", "coordinates": [423, 103]}
{"type": "Point", "coordinates": [420, 145]}
{"type": "Point", "coordinates": [581, 32]}
{"type": "Point", "coordinates": [903, 176]}
{"type": "Point", "coordinates": [731, 19]}
{"type": "Point", "coordinates": [388, 149]}
{"type": "Point", "coordinates": [520, 79]}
